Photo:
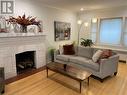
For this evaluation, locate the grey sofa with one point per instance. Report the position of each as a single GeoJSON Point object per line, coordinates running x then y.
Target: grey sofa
{"type": "Point", "coordinates": [2, 85]}
{"type": "Point", "coordinates": [83, 59]}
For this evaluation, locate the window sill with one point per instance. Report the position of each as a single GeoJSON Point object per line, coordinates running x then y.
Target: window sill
{"type": "Point", "coordinates": [112, 48]}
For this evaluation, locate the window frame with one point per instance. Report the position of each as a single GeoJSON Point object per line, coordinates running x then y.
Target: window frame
{"type": "Point", "coordinates": [96, 33]}
{"type": "Point", "coordinates": [124, 31]}
{"type": "Point", "coordinates": [105, 44]}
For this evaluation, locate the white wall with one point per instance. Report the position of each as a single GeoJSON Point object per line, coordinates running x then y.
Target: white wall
{"type": "Point", "coordinates": [48, 15]}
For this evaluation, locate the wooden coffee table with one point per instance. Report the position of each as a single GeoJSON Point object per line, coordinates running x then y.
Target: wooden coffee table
{"type": "Point", "coordinates": [70, 71]}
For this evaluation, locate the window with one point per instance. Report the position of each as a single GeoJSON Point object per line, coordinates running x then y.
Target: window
{"type": "Point", "coordinates": [125, 33]}
{"type": "Point", "coordinates": [110, 31]}
{"type": "Point", "coordinates": [94, 31]}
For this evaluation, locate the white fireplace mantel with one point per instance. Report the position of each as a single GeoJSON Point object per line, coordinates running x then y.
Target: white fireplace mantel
{"type": "Point", "coordinates": [2, 35]}
{"type": "Point", "coordinates": [10, 46]}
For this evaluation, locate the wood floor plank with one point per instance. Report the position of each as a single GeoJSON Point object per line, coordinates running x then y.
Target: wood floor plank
{"type": "Point", "coordinates": [56, 84]}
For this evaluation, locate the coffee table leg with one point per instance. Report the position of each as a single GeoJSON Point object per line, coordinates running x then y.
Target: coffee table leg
{"type": "Point", "coordinates": [65, 66]}
{"type": "Point", "coordinates": [88, 81]}
{"type": "Point", "coordinates": [47, 71]}
{"type": "Point", "coordinates": [80, 86]}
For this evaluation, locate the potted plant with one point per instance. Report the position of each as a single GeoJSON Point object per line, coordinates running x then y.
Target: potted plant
{"type": "Point", "coordinates": [51, 52]}
{"type": "Point", "coordinates": [86, 42]}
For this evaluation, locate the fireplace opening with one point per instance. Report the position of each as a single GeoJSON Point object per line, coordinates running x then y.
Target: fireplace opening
{"type": "Point", "coordinates": [25, 61]}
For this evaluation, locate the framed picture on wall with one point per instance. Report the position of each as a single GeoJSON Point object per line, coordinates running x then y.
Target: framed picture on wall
{"type": "Point", "coordinates": [62, 30]}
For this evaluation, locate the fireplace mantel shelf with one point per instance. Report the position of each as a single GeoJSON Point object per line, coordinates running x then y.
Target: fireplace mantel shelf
{"type": "Point", "coordinates": [13, 35]}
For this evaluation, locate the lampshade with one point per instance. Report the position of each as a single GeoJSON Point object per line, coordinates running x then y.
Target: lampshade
{"type": "Point", "coordinates": [82, 9]}
{"type": "Point", "coordinates": [86, 24]}
{"type": "Point", "coordinates": [94, 20]}
{"type": "Point", "coordinates": [79, 22]}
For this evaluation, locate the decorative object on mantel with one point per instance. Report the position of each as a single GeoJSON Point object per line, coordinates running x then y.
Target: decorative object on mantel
{"type": "Point", "coordinates": [3, 25]}
{"type": "Point", "coordinates": [86, 42]}
{"type": "Point", "coordinates": [62, 30]}
{"type": "Point", "coordinates": [24, 21]}
{"type": "Point", "coordinates": [3, 30]}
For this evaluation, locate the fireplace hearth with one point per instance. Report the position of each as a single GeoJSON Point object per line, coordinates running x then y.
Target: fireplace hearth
{"type": "Point", "coordinates": [25, 61]}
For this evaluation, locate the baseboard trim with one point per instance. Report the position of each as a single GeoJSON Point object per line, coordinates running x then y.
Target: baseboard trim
{"type": "Point", "coordinates": [123, 61]}
{"type": "Point", "coordinates": [26, 74]}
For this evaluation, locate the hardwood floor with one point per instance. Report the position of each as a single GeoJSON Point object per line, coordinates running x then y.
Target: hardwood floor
{"type": "Point", "coordinates": [39, 84]}
{"type": "Point", "coordinates": [23, 75]}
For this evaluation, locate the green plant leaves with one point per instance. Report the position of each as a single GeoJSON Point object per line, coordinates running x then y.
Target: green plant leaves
{"type": "Point", "coordinates": [86, 42]}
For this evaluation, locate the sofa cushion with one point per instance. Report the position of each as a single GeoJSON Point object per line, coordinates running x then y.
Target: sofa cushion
{"type": "Point", "coordinates": [68, 49]}
{"type": "Point", "coordinates": [63, 57]}
{"type": "Point", "coordinates": [95, 50]}
{"type": "Point", "coordinates": [85, 52]}
{"type": "Point", "coordinates": [86, 62]}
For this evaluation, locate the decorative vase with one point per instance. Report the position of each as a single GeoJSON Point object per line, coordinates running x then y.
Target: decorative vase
{"type": "Point", "coordinates": [39, 28]}
{"type": "Point", "coordinates": [23, 29]}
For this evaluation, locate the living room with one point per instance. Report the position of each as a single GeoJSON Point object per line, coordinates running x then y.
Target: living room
{"type": "Point", "coordinates": [102, 22]}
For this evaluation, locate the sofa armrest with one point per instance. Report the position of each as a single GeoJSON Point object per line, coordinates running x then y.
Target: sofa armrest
{"type": "Point", "coordinates": [2, 81]}
{"type": "Point", "coordinates": [2, 72]}
{"type": "Point", "coordinates": [56, 52]}
{"type": "Point", "coordinates": [110, 65]}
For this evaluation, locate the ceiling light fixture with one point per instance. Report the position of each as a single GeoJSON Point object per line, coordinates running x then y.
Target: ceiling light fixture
{"type": "Point", "coordinates": [82, 9]}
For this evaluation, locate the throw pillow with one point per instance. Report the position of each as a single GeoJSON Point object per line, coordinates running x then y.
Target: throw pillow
{"type": "Point", "coordinates": [97, 55]}
{"type": "Point", "coordinates": [68, 49]}
{"type": "Point", "coordinates": [106, 54]}
{"type": "Point", "coordinates": [61, 49]}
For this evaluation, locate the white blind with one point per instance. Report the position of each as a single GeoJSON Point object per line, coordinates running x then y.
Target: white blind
{"type": "Point", "coordinates": [110, 31]}
{"type": "Point", "coordinates": [125, 33]}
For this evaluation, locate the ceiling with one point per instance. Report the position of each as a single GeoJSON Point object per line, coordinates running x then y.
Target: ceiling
{"type": "Point", "coordinates": [75, 5]}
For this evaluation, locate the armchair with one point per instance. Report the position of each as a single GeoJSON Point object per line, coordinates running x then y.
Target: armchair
{"type": "Point", "coordinates": [2, 85]}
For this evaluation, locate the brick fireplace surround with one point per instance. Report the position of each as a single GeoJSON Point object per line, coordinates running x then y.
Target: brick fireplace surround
{"type": "Point", "coordinates": [10, 46]}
